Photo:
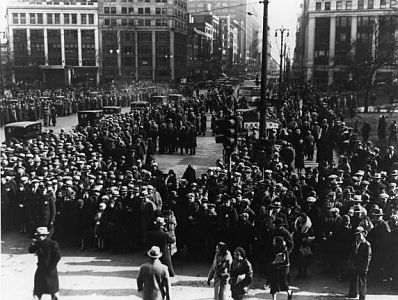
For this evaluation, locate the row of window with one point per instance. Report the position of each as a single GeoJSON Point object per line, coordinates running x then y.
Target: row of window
{"type": "Point", "coordinates": [362, 4]}
{"type": "Point", "coordinates": [143, 22]}
{"type": "Point", "coordinates": [65, 2]}
{"type": "Point", "coordinates": [53, 18]}
{"type": "Point", "coordinates": [180, 3]}
{"type": "Point", "coordinates": [140, 10]}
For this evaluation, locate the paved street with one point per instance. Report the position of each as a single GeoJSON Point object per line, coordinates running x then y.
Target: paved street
{"type": "Point", "coordinates": [96, 275]}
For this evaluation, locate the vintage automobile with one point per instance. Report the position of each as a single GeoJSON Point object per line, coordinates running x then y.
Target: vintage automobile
{"type": "Point", "coordinates": [176, 98]}
{"type": "Point", "coordinates": [22, 130]}
{"type": "Point", "coordinates": [89, 117]}
{"type": "Point", "coordinates": [158, 100]}
{"type": "Point", "coordinates": [139, 105]}
{"type": "Point", "coordinates": [110, 110]}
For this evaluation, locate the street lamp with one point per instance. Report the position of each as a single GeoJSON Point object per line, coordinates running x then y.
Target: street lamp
{"type": "Point", "coordinates": [282, 32]}
{"type": "Point", "coordinates": [116, 51]}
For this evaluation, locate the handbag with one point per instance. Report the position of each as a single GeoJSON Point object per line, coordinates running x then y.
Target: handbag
{"type": "Point", "coordinates": [305, 250]}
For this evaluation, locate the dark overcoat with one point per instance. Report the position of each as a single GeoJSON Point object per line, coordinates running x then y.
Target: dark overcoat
{"type": "Point", "coordinates": [162, 239]}
{"type": "Point", "coordinates": [46, 276]}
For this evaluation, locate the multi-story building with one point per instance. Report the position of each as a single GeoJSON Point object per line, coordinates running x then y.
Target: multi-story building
{"type": "Point", "coordinates": [330, 31]}
{"type": "Point", "coordinates": [247, 13]}
{"type": "Point", "coordinates": [55, 38]}
{"type": "Point", "coordinates": [143, 39]}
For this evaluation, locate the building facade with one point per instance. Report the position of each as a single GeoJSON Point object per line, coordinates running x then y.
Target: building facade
{"type": "Point", "coordinates": [57, 39]}
{"type": "Point", "coordinates": [247, 13]}
{"type": "Point", "coordinates": [330, 32]}
{"type": "Point", "coordinates": [143, 39]}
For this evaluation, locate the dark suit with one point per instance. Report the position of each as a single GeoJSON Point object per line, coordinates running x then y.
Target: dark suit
{"type": "Point", "coordinates": [153, 281]}
{"type": "Point", "coordinates": [42, 209]}
{"type": "Point", "coordinates": [46, 276]}
{"type": "Point", "coordinates": [162, 239]}
{"type": "Point", "coordinates": [360, 259]}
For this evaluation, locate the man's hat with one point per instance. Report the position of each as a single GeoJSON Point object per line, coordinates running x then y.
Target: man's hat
{"type": "Point", "coordinates": [359, 230]}
{"type": "Point", "coordinates": [41, 231]}
{"type": "Point", "coordinates": [377, 212]}
{"type": "Point", "coordinates": [154, 252]}
{"type": "Point", "coordinates": [357, 198]}
{"type": "Point", "coordinates": [311, 199]}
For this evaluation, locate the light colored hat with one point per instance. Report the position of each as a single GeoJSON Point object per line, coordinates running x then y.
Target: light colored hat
{"type": "Point", "coordinates": [41, 231]}
{"type": "Point", "coordinates": [311, 199]}
{"type": "Point", "coordinates": [102, 205]}
{"type": "Point", "coordinates": [359, 230]}
{"type": "Point", "coordinates": [154, 252]}
{"type": "Point", "coordinates": [160, 221]}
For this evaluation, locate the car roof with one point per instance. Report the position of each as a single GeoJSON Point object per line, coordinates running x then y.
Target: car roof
{"type": "Point", "coordinates": [23, 124]}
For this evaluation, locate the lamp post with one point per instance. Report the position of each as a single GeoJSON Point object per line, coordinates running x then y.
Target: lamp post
{"type": "Point", "coordinates": [282, 32]}
{"type": "Point", "coordinates": [116, 51]}
{"type": "Point", "coordinates": [264, 65]}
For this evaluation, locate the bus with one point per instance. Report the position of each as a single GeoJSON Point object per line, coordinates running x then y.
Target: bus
{"type": "Point", "coordinates": [251, 93]}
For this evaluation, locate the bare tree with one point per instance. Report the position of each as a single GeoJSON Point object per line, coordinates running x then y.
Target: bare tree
{"type": "Point", "coordinates": [374, 50]}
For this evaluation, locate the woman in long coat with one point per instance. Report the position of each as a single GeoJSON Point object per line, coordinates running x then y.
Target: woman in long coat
{"type": "Point", "coordinates": [280, 268]}
{"type": "Point", "coordinates": [241, 274]}
{"type": "Point", "coordinates": [48, 255]}
{"type": "Point", "coordinates": [303, 237]}
{"type": "Point", "coordinates": [220, 270]}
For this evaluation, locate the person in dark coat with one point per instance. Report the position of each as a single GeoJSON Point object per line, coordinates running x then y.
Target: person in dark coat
{"type": "Point", "coordinates": [361, 254]}
{"type": "Point", "coordinates": [42, 207]}
{"type": "Point", "coordinates": [280, 268]}
{"type": "Point", "coordinates": [159, 237]}
{"type": "Point", "coordinates": [153, 278]}
{"type": "Point", "coordinates": [189, 174]}
{"type": "Point", "coordinates": [203, 124]}
{"type": "Point", "coordinates": [48, 256]}
{"type": "Point", "coordinates": [241, 274]}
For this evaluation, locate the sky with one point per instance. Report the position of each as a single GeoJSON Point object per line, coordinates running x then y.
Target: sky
{"type": "Point", "coordinates": [281, 13]}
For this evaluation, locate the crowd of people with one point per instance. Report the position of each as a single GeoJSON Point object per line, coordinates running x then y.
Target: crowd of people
{"type": "Point", "coordinates": [30, 104]}
{"type": "Point", "coordinates": [101, 187]}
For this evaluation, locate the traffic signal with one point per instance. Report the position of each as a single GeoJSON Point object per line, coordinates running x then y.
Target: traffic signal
{"type": "Point", "coordinates": [226, 130]}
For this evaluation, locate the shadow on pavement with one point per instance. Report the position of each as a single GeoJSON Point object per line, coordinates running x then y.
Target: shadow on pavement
{"type": "Point", "coordinates": [125, 274]}
{"type": "Point", "coordinates": [102, 292]}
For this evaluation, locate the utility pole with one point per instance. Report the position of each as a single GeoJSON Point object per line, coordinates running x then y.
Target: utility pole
{"type": "Point", "coordinates": [264, 65]}
{"type": "Point", "coordinates": [282, 32]}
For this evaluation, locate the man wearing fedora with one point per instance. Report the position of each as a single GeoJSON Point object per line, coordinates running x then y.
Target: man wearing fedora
{"type": "Point", "coordinates": [153, 278]}
{"type": "Point", "coordinates": [162, 239]}
{"type": "Point", "coordinates": [361, 254]}
{"type": "Point", "coordinates": [379, 239]}
{"type": "Point", "coordinates": [48, 255]}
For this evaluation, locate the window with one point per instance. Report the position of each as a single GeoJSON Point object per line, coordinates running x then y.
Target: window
{"type": "Point", "coordinates": [318, 6]}
{"type": "Point", "coordinates": [14, 18]}
{"type": "Point", "coordinates": [383, 3]}
{"type": "Point", "coordinates": [339, 5]}
{"type": "Point", "coordinates": [23, 18]}
{"type": "Point", "coordinates": [40, 18]}
{"type": "Point", "coordinates": [66, 19]}
{"type": "Point", "coordinates": [124, 22]}
{"type": "Point", "coordinates": [131, 10]}
{"type": "Point", "coordinates": [107, 10]}
{"type": "Point", "coordinates": [140, 11]}
{"type": "Point", "coordinates": [91, 19]}
{"type": "Point", "coordinates": [147, 22]}
{"type": "Point", "coordinates": [74, 18]}
{"type": "Point", "coordinates": [158, 23]}
{"type": "Point", "coordinates": [361, 4]}
{"type": "Point", "coordinates": [83, 19]}
{"type": "Point", "coordinates": [113, 22]}
{"type": "Point", "coordinates": [49, 19]}
{"type": "Point", "coordinates": [32, 18]}
{"type": "Point", "coordinates": [348, 5]}
{"type": "Point", "coordinates": [131, 22]}
{"type": "Point", "coordinates": [113, 10]}
{"type": "Point", "coordinates": [393, 3]}
{"type": "Point", "coordinates": [124, 10]}
{"type": "Point", "coordinates": [164, 23]}
{"type": "Point", "coordinates": [327, 5]}
{"type": "Point", "coordinates": [147, 10]}
{"type": "Point", "coordinates": [107, 22]}
{"type": "Point", "coordinates": [164, 11]}
{"type": "Point", "coordinates": [158, 11]}
{"type": "Point", "coordinates": [370, 4]}
{"type": "Point", "coordinates": [57, 19]}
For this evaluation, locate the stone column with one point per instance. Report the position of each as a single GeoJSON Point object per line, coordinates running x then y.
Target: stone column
{"type": "Point", "coordinates": [172, 56]}
{"type": "Point", "coordinates": [153, 55]}
{"type": "Point", "coordinates": [332, 44]}
{"type": "Point", "coordinates": [311, 48]}
{"type": "Point", "coordinates": [45, 47]}
{"type": "Point", "coordinates": [79, 47]}
{"type": "Point", "coordinates": [28, 46]}
{"type": "Point", "coordinates": [119, 54]}
{"type": "Point", "coordinates": [136, 54]}
{"type": "Point", "coordinates": [63, 47]}
{"type": "Point", "coordinates": [97, 54]}
{"type": "Point", "coordinates": [354, 25]}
